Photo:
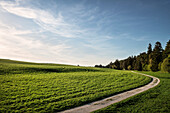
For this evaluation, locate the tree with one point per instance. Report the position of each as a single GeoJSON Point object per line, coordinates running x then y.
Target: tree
{"type": "Point", "coordinates": [151, 61]}
{"type": "Point", "coordinates": [154, 65]}
{"type": "Point", "coordinates": [143, 58]}
{"type": "Point", "coordinates": [149, 49]}
{"type": "Point", "coordinates": [158, 51]}
{"type": "Point", "coordinates": [167, 50]}
{"type": "Point", "coordinates": [99, 66]}
{"type": "Point", "coordinates": [110, 65]}
{"type": "Point", "coordinates": [121, 64]}
{"type": "Point", "coordinates": [134, 62]}
{"type": "Point", "coordinates": [156, 56]}
{"type": "Point", "coordinates": [129, 61]}
{"type": "Point", "coordinates": [165, 67]}
{"type": "Point", "coordinates": [129, 67]}
{"type": "Point", "coordinates": [138, 65]}
{"type": "Point", "coordinates": [125, 64]}
{"type": "Point", "coordinates": [149, 52]}
{"type": "Point", "coordinates": [117, 64]}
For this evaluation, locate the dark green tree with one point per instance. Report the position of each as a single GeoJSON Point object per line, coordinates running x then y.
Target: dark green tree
{"type": "Point", "coordinates": [143, 57]}
{"type": "Point", "coordinates": [138, 64]}
{"type": "Point", "coordinates": [110, 65]}
{"type": "Point", "coordinates": [158, 51]}
{"type": "Point", "coordinates": [99, 66]}
{"type": "Point", "coordinates": [167, 50]}
{"type": "Point", "coordinates": [129, 61]}
{"type": "Point", "coordinates": [125, 65]}
{"type": "Point", "coordinates": [150, 61]}
{"type": "Point", "coordinates": [134, 62]}
{"type": "Point", "coordinates": [166, 65]}
{"type": "Point", "coordinates": [149, 49]}
{"type": "Point", "coordinates": [154, 64]}
{"type": "Point", "coordinates": [156, 56]}
{"type": "Point", "coordinates": [117, 64]}
{"type": "Point", "coordinates": [121, 64]}
{"type": "Point", "coordinates": [149, 53]}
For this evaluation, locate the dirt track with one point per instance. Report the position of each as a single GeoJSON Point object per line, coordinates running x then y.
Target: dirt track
{"type": "Point", "coordinates": [113, 99]}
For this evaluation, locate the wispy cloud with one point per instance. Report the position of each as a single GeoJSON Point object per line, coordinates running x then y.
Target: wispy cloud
{"type": "Point", "coordinates": [43, 18]}
{"type": "Point", "coordinates": [71, 26]}
{"type": "Point", "coordinates": [14, 46]}
{"type": "Point", "coordinates": [12, 30]}
{"type": "Point", "coordinates": [80, 32]}
{"type": "Point", "coordinates": [67, 26]}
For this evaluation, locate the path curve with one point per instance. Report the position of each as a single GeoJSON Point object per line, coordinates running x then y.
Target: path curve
{"type": "Point", "coordinates": [113, 99]}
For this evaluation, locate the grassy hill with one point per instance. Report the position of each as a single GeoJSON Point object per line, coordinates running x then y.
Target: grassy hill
{"type": "Point", "coordinates": [38, 87]}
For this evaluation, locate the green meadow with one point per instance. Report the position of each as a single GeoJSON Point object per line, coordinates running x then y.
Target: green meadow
{"type": "Point", "coordinates": [38, 87]}
{"type": "Point", "coordinates": [155, 100]}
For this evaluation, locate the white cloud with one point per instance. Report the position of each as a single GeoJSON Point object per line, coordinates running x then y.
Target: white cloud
{"type": "Point", "coordinates": [58, 24]}
{"type": "Point", "coordinates": [5, 28]}
{"type": "Point", "coordinates": [16, 44]}
{"type": "Point", "coordinates": [44, 19]}
{"type": "Point", "coordinates": [27, 48]}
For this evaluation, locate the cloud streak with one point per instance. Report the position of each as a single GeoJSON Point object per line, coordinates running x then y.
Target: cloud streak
{"type": "Point", "coordinates": [14, 46]}
{"type": "Point", "coordinates": [44, 19]}
{"type": "Point", "coordinates": [73, 32]}
{"type": "Point", "coordinates": [91, 43]}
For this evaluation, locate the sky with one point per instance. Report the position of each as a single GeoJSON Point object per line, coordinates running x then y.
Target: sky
{"type": "Point", "coordinates": [81, 32]}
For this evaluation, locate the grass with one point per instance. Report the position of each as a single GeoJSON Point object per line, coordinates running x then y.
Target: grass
{"type": "Point", "coordinates": [155, 100]}
{"type": "Point", "coordinates": [36, 87]}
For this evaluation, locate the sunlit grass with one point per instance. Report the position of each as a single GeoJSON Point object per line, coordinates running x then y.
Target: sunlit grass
{"type": "Point", "coordinates": [29, 87]}
{"type": "Point", "coordinates": [155, 100]}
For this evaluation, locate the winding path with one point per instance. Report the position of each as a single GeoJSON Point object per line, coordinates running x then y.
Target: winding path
{"type": "Point", "coordinates": [113, 99]}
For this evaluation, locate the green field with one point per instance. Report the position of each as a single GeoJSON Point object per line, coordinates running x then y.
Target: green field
{"type": "Point", "coordinates": [36, 87]}
{"type": "Point", "coordinates": [155, 100]}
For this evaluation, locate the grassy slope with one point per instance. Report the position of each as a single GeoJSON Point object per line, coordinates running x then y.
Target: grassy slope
{"type": "Point", "coordinates": [32, 87]}
{"type": "Point", "coordinates": [152, 101]}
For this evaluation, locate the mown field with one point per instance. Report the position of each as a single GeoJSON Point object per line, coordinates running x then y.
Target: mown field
{"type": "Point", "coordinates": [36, 87]}
{"type": "Point", "coordinates": [155, 100]}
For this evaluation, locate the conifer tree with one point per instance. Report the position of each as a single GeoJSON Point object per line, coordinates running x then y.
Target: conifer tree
{"type": "Point", "coordinates": [117, 64]}
{"type": "Point", "coordinates": [167, 50]}
{"type": "Point", "coordinates": [149, 53]}
{"type": "Point", "coordinates": [156, 56]}
{"type": "Point", "coordinates": [152, 60]}
{"type": "Point", "coordinates": [149, 49]}
{"type": "Point", "coordinates": [138, 64]}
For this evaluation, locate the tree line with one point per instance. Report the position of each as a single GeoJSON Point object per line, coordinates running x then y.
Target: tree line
{"type": "Point", "coordinates": [155, 59]}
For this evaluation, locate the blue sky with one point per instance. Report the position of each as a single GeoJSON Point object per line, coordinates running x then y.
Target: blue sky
{"type": "Point", "coordinates": [84, 32]}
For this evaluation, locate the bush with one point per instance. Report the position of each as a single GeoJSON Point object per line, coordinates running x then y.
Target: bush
{"type": "Point", "coordinates": [159, 66]}
{"type": "Point", "coordinates": [145, 67]}
{"type": "Point", "coordinates": [149, 67]}
{"type": "Point", "coordinates": [165, 67]}
{"type": "Point", "coordinates": [129, 67]}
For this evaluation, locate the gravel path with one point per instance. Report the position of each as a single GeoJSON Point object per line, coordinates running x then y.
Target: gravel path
{"type": "Point", "coordinates": [113, 99]}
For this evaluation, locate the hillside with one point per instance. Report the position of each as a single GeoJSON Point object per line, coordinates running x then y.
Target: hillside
{"type": "Point", "coordinates": [32, 87]}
